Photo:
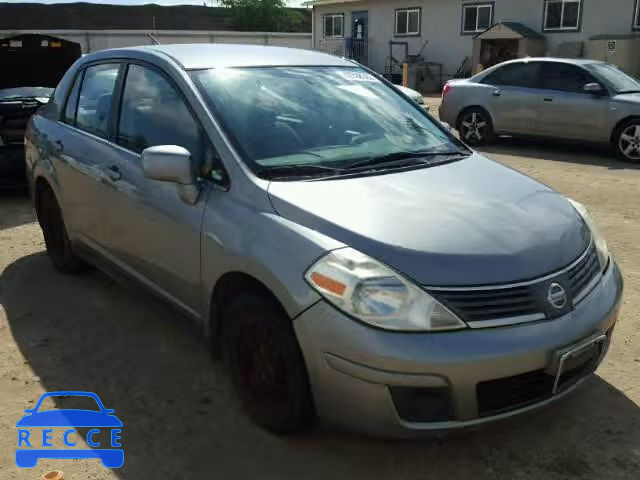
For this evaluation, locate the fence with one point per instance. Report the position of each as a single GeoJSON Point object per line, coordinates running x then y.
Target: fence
{"type": "Point", "coordinates": [355, 48]}
{"type": "Point", "coordinates": [92, 40]}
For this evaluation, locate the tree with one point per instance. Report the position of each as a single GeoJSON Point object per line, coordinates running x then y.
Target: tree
{"type": "Point", "coordinates": [262, 15]}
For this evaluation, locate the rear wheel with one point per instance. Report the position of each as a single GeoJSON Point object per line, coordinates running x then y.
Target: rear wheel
{"type": "Point", "coordinates": [475, 126]}
{"type": "Point", "coordinates": [59, 246]}
{"type": "Point", "coordinates": [266, 365]}
{"type": "Point", "coordinates": [627, 141]}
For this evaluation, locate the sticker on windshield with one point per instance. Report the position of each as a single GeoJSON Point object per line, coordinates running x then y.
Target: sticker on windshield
{"type": "Point", "coordinates": [357, 76]}
{"type": "Point", "coordinates": [359, 90]}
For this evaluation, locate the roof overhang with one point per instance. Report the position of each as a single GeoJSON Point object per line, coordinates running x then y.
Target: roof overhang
{"type": "Point", "coordinates": [314, 3]}
{"type": "Point", "coordinates": [508, 30]}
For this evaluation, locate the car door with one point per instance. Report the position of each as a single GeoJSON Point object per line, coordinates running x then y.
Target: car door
{"type": "Point", "coordinates": [150, 232]}
{"type": "Point", "coordinates": [514, 100]}
{"type": "Point", "coordinates": [567, 111]}
{"type": "Point", "coordinates": [79, 148]}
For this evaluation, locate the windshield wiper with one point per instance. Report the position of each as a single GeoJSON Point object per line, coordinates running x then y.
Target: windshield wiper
{"type": "Point", "coordinates": [628, 91]}
{"type": "Point", "coordinates": [420, 157]}
{"type": "Point", "coordinates": [308, 170]}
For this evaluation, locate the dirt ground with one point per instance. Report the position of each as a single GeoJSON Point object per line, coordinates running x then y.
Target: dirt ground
{"type": "Point", "coordinates": [88, 333]}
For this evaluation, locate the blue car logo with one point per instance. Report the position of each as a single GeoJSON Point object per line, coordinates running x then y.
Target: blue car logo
{"type": "Point", "coordinates": [28, 452]}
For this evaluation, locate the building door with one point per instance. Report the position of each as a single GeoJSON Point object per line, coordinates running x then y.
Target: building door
{"type": "Point", "coordinates": [496, 51]}
{"type": "Point", "coordinates": [358, 48]}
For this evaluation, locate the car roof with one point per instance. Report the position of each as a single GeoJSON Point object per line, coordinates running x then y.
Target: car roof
{"type": "Point", "coordinates": [193, 56]}
{"type": "Point", "coordinates": [574, 61]}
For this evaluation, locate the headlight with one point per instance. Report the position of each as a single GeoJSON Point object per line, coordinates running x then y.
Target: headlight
{"type": "Point", "coordinates": [598, 239]}
{"type": "Point", "coordinates": [375, 294]}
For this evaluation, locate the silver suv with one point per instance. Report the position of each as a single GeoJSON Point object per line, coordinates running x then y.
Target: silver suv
{"type": "Point", "coordinates": [346, 254]}
{"type": "Point", "coordinates": [566, 99]}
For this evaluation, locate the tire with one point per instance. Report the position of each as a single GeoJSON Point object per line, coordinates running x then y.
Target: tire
{"type": "Point", "coordinates": [59, 246]}
{"type": "Point", "coordinates": [626, 141]}
{"type": "Point", "coordinates": [266, 366]}
{"type": "Point", "coordinates": [475, 126]}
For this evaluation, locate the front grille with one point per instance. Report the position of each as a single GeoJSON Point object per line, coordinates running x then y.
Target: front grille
{"type": "Point", "coordinates": [511, 393]}
{"type": "Point", "coordinates": [582, 273]}
{"type": "Point", "coordinates": [505, 394]}
{"type": "Point", "coordinates": [479, 305]}
{"type": "Point", "coordinates": [504, 302]}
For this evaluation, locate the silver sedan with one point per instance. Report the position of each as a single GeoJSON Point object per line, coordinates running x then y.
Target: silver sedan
{"type": "Point", "coordinates": [562, 98]}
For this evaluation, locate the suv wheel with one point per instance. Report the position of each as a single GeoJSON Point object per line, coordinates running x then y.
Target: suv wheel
{"type": "Point", "coordinates": [266, 365]}
{"type": "Point", "coordinates": [474, 126]}
{"type": "Point", "coordinates": [59, 246]}
{"type": "Point", "coordinates": [627, 141]}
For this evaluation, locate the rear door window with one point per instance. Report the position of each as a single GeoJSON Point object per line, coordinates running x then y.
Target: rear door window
{"type": "Point", "coordinates": [515, 75]}
{"type": "Point", "coordinates": [564, 77]}
{"type": "Point", "coordinates": [72, 102]}
{"type": "Point", "coordinates": [96, 94]}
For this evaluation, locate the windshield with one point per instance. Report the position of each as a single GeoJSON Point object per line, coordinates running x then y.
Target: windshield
{"type": "Point", "coordinates": [316, 116]}
{"type": "Point", "coordinates": [614, 78]}
{"type": "Point", "coordinates": [25, 92]}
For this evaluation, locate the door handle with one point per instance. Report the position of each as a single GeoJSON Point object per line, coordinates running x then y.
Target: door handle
{"type": "Point", "coordinates": [58, 146]}
{"type": "Point", "coordinates": [547, 99]}
{"type": "Point", "coordinates": [497, 92]}
{"type": "Point", "coordinates": [113, 172]}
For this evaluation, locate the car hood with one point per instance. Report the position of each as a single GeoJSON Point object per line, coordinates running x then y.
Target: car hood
{"type": "Point", "coordinates": [471, 222]}
{"type": "Point", "coordinates": [628, 97]}
{"type": "Point", "coordinates": [414, 95]}
{"type": "Point", "coordinates": [69, 418]}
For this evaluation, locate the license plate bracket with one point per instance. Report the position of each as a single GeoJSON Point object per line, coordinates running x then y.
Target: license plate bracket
{"type": "Point", "coordinates": [576, 356]}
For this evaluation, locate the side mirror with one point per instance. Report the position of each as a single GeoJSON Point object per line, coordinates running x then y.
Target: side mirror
{"type": "Point", "coordinates": [594, 88]}
{"type": "Point", "coordinates": [171, 163]}
{"type": "Point", "coordinates": [446, 125]}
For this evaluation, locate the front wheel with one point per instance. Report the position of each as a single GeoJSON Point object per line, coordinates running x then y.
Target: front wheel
{"type": "Point", "coordinates": [627, 141]}
{"type": "Point", "coordinates": [266, 364]}
{"type": "Point", "coordinates": [475, 126]}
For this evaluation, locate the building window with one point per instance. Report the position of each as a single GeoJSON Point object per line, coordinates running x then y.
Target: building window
{"type": "Point", "coordinates": [562, 14]}
{"type": "Point", "coordinates": [636, 16]}
{"type": "Point", "coordinates": [408, 21]}
{"type": "Point", "coordinates": [476, 17]}
{"type": "Point", "coordinates": [334, 25]}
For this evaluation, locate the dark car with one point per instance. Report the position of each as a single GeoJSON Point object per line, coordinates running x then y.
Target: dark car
{"type": "Point", "coordinates": [31, 66]}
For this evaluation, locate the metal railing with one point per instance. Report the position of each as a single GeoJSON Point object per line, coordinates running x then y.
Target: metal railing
{"type": "Point", "coordinates": [354, 48]}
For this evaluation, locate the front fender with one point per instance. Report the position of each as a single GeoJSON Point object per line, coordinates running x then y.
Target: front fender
{"type": "Point", "coordinates": [277, 252]}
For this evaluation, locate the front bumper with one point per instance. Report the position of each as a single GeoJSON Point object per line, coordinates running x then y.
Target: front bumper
{"type": "Point", "coordinates": [353, 367]}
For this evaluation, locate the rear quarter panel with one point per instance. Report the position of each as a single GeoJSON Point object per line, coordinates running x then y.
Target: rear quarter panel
{"type": "Point", "coordinates": [463, 95]}
{"type": "Point", "coordinates": [38, 151]}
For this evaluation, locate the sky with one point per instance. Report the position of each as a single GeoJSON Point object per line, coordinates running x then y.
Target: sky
{"type": "Point", "coordinates": [293, 3]}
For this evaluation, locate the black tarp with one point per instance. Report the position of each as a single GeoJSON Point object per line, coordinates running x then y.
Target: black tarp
{"type": "Point", "coordinates": [33, 60]}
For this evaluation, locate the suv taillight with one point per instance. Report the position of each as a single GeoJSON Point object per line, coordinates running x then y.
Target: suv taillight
{"type": "Point", "coordinates": [446, 90]}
